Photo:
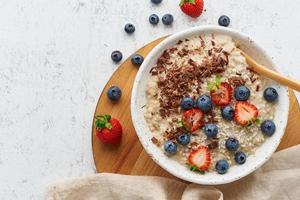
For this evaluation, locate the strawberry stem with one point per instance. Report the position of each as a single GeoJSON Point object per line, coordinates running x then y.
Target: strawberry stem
{"type": "Point", "coordinates": [103, 121]}
{"type": "Point", "coordinates": [187, 1]}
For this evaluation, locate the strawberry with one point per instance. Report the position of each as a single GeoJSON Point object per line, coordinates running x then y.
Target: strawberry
{"type": "Point", "coordinates": [192, 8]}
{"type": "Point", "coordinates": [108, 129]}
{"type": "Point", "coordinates": [222, 95]}
{"type": "Point", "coordinates": [245, 113]}
{"type": "Point", "coordinates": [192, 119]}
{"type": "Point", "coordinates": [200, 158]}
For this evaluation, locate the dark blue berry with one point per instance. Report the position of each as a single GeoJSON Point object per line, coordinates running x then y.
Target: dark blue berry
{"type": "Point", "coordinates": [129, 28]}
{"type": "Point", "coordinates": [153, 19]}
{"type": "Point", "coordinates": [170, 147]}
{"type": "Point", "coordinates": [137, 59]}
{"type": "Point", "coordinates": [156, 1]}
{"type": "Point", "coordinates": [232, 144]}
{"type": "Point", "coordinates": [116, 56]}
{"type": "Point", "coordinates": [114, 93]}
{"type": "Point", "coordinates": [227, 112]}
{"type": "Point", "coordinates": [270, 94]}
{"type": "Point", "coordinates": [210, 130]}
{"type": "Point", "coordinates": [224, 21]}
{"type": "Point", "coordinates": [242, 93]}
{"type": "Point", "coordinates": [187, 103]}
{"type": "Point", "coordinates": [240, 157]}
{"type": "Point", "coordinates": [222, 166]}
{"type": "Point", "coordinates": [268, 127]}
{"type": "Point", "coordinates": [167, 19]}
{"type": "Point", "coordinates": [204, 103]}
{"type": "Point", "coordinates": [183, 139]}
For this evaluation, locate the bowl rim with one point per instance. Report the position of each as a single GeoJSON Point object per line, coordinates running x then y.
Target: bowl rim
{"type": "Point", "coordinates": [161, 47]}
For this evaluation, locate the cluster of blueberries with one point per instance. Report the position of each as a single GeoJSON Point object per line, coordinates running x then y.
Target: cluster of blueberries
{"type": "Point", "coordinates": [204, 103]}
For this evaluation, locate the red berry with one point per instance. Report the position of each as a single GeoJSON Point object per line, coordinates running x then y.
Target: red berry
{"type": "Point", "coordinates": [200, 158]}
{"type": "Point", "coordinates": [108, 130]}
{"type": "Point", "coordinates": [192, 8]}
{"type": "Point", "coordinates": [222, 95]}
{"type": "Point", "coordinates": [192, 119]}
{"type": "Point", "coordinates": [245, 113]}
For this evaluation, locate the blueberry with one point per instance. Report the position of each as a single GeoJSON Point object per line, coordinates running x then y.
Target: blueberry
{"type": "Point", "coordinates": [129, 28]}
{"type": "Point", "coordinates": [210, 130]}
{"type": "Point", "coordinates": [204, 103]}
{"type": "Point", "coordinates": [270, 94]}
{"type": "Point", "coordinates": [116, 56]}
{"type": "Point", "coordinates": [167, 19]}
{"type": "Point", "coordinates": [153, 19]}
{"type": "Point", "coordinates": [137, 59]}
{"type": "Point", "coordinates": [170, 147]}
{"type": "Point", "coordinates": [222, 166]}
{"type": "Point", "coordinates": [183, 139]}
{"type": "Point", "coordinates": [224, 21]}
{"type": "Point", "coordinates": [156, 1]}
{"type": "Point", "coordinates": [232, 144]}
{"type": "Point", "coordinates": [114, 93]}
{"type": "Point", "coordinates": [242, 93]}
{"type": "Point", "coordinates": [187, 103]}
{"type": "Point", "coordinates": [227, 112]}
{"type": "Point", "coordinates": [240, 157]}
{"type": "Point", "coordinates": [268, 127]}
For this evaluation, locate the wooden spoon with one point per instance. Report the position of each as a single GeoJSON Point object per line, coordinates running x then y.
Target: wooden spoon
{"type": "Point", "coordinates": [264, 71]}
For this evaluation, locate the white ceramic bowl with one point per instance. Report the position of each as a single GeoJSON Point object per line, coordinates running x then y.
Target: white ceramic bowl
{"type": "Point", "coordinates": [138, 99]}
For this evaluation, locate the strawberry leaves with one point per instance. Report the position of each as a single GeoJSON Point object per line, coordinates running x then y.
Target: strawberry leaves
{"type": "Point", "coordinates": [187, 1]}
{"type": "Point", "coordinates": [103, 121]}
{"type": "Point", "coordinates": [194, 168]}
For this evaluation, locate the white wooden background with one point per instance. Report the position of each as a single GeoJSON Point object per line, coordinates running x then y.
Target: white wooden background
{"type": "Point", "coordinates": [55, 60]}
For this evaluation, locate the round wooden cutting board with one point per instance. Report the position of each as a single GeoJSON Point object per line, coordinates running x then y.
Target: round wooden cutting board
{"type": "Point", "coordinates": [129, 157]}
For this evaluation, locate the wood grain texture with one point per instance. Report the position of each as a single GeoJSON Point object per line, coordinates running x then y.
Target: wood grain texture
{"type": "Point", "coordinates": [129, 157]}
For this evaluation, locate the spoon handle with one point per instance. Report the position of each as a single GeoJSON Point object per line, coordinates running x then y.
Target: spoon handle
{"type": "Point", "coordinates": [264, 71]}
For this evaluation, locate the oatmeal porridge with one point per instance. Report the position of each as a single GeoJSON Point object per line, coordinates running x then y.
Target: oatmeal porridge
{"type": "Point", "coordinates": [205, 107]}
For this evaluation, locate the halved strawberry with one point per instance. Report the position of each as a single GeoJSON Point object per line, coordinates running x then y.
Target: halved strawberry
{"type": "Point", "coordinates": [192, 119]}
{"type": "Point", "coordinates": [200, 158]}
{"type": "Point", "coordinates": [245, 113]}
{"type": "Point", "coordinates": [222, 95]}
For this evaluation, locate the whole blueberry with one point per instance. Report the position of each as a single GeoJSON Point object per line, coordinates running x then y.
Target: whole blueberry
{"type": "Point", "coordinates": [210, 130]}
{"type": "Point", "coordinates": [270, 94]}
{"type": "Point", "coordinates": [129, 28]}
{"type": "Point", "coordinates": [224, 20]}
{"type": "Point", "coordinates": [183, 139]}
{"type": "Point", "coordinates": [167, 19]}
{"type": "Point", "coordinates": [153, 19]}
{"type": "Point", "coordinates": [227, 112]}
{"type": "Point", "coordinates": [240, 157]}
{"type": "Point", "coordinates": [156, 1]}
{"type": "Point", "coordinates": [116, 56]}
{"type": "Point", "coordinates": [204, 103]}
{"type": "Point", "coordinates": [114, 93]}
{"type": "Point", "coordinates": [170, 147]}
{"type": "Point", "coordinates": [137, 59]}
{"type": "Point", "coordinates": [222, 166]}
{"type": "Point", "coordinates": [187, 103]}
{"type": "Point", "coordinates": [241, 93]}
{"type": "Point", "coordinates": [232, 144]}
{"type": "Point", "coordinates": [268, 127]}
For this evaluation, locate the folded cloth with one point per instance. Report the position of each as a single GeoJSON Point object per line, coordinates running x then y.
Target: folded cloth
{"type": "Point", "coordinates": [278, 179]}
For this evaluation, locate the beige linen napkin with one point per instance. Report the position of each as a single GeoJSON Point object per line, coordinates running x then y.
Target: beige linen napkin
{"type": "Point", "coordinates": [278, 179]}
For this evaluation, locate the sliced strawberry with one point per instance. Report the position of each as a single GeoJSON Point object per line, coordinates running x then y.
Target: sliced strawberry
{"type": "Point", "coordinates": [200, 158]}
{"type": "Point", "coordinates": [222, 95]}
{"type": "Point", "coordinates": [192, 119]}
{"type": "Point", "coordinates": [245, 113]}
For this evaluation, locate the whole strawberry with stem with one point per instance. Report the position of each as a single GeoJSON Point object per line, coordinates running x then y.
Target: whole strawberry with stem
{"type": "Point", "coordinates": [192, 8]}
{"type": "Point", "coordinates": [108, 129]}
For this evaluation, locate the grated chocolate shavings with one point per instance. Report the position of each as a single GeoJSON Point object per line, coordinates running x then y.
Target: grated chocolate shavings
{"type": "Point", "coordinates": [155, 140]}
{"type": "Point", "coordinates": [179, 42]}
{"type": "Point", "coordinates": [236, 81]}
{"type": "Point", "coordinates": [257, 88]}
{"type": "Point", "coordinates": [213, 43]}
{"type": "Point", "coordinates": [213, 145]}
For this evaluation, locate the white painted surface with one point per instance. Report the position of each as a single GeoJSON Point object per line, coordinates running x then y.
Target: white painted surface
{"type": "Point", "coordinates": [55, 60]}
